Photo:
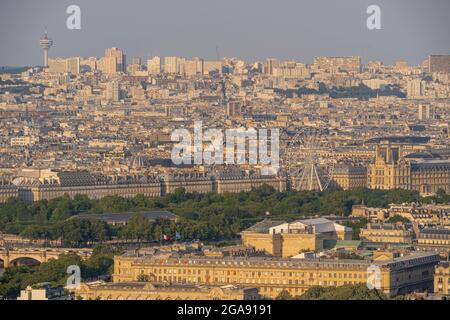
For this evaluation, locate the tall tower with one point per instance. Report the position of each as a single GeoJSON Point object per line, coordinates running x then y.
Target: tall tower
{"type": "Point", "coordinates": [45, 44]}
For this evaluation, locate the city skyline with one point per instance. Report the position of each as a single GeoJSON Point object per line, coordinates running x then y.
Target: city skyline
{"type": "Point", "coordinates": [228, 30]}
{"type": "Point", "coordinates": [206, 150]}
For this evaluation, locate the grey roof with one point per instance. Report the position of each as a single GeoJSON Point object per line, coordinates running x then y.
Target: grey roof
{"type": "Point", "coordinates": [435, 231]}
{"type": "Point", "coordinates": [78, 178]}
{"type": "Point", "coordinates": [433, 257]}
{"type": "Point", "coordinates": [159, 286]}
{"type": "Point", "coordinates": [264, 226]}
{"type": "Point", "coordinates": [430, 164]}
{"type": "Point", "coordinates": [423, 155]}
{"type": "Point", "coordinates": [126, 216]}
{"type": "Point", "coordinates": [400, 139]}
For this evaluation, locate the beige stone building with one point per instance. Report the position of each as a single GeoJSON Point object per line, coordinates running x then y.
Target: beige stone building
{"type": "Point", "coordinates": [162, 291]}
{"type": "Point", "coordinates": [36, 184]}
{"type": "Point", "coordinates": [434, 237]}
{"type": "Point", "coordinates": [398, 275]}
{"type": "Point", "coordinates": [421, 214]}
{"type": "Point", "coordinates": [191, 182]}
{"type": "Point", "coordinates": [39, 184]}
{"type": "Point", "coordinates": [424, 214]}
{"type": "Point", "coordinates": [240, 183]}
{"type": "Point", "coordinates": [387, 233]}
{"type": "Point", "coordinates": [349, 177]}
{"type": "Point", "coordinates": [290, 239]}
{"type": "Point", "coordinates": [8, 191]}
{"type": "Point", "coordinates": [336, 64]}
{"type": "Point", "coordinates": [423, 172]}
{"type": "Point", "coordinates": [372, 214]}
{"type": "Point", "coordinates": [442, 279]}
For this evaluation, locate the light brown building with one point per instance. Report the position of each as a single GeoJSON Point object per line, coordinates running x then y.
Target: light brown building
{"type": "Point", "coordinates": [192, 182]}
{"type": "Point", "coordinates": [349, 177]}
{"type": "Point", "coordinates": [39, 184]}
{"type": "Point", "coordinates": [422, 172]}
{"type": "Point", "coordinates": [272, 275]}
{"type": "Point", "coordinates": [290, 239]}
{"type": "Point", "coordinates": [442, 279]}
{"type": "Point", "coordinates": [362, 211]}
{"type": "Point", "coordinates": [425, 214]}
{"type": "Point", "coordinates": [8, 191]}
{"type": "Point", "coordinates": [388, 233]}
{"type": "Point", "coordinates": [434, 237]}
{"type": "Point", "coordinates": [114, 61]}
{"type": "Point", "coordinates": [35, 185]}
{"type": "Point", "coordinates": [336, 64]}
{"type": "Point", "coordinates": [162, 291]}
{"type": "Point", "coordinates": [238, 183]}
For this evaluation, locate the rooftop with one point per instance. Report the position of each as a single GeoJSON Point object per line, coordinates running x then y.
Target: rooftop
{"type": "Point", "coordinates": [126, 216]}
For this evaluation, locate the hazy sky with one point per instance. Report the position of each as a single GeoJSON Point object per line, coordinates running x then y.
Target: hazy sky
{"type": "Point", "coordinates": [250, 29]}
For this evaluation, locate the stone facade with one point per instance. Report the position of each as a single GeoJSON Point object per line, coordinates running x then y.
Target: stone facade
{"type": "Point", "coordinates": [422, 172]}
{"type": "Point", "coordinates": [290, 239]}
{"type": "Point", "coordinates": [442, 279]}
{"type": "Point", "coordinates": [273, 275]}
{"type": "Point", "coordinates": [387, 233]}
{"type": "Point", "coordinates": [162, 291]}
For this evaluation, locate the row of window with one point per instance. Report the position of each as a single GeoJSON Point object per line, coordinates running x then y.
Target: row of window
{"type": "Point", "coordinates": [258, 274]}
{"type": "Point", "coordinates": [188, 280]}
{"type": "Point", "coordinates": [441, 280]}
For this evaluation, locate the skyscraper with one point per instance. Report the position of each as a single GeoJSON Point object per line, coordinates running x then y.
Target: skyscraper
{"type": "Point", "coordinates": [271, 64]}
{"type": "Point", "coordinates": [45, 43]}
{"type": "Point", "coordinates": [114, 61]}
{"type": "Point", "coordinates": [171, 65]}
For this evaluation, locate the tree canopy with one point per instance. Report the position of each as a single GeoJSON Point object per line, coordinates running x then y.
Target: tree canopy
{"type": "Point", "coordinates": [346, 292]}
{"type": "Point", "coordinates": [17, 278]}
{"type": "Point", "coordinates": [208, 216]}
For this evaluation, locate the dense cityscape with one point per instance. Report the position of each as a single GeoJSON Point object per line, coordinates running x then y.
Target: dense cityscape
{"type": "Point", "coordinates": [354, 203]}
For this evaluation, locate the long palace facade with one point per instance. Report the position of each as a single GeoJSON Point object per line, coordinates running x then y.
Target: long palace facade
{"type": "Point", "coordinates": [394, 167]}
{"type": "Point", "coordinates": [36, 184]}
{"type": "Point", "coordinates": [424, 172]}
{"type": "Point", "coordinates": [398, 275]}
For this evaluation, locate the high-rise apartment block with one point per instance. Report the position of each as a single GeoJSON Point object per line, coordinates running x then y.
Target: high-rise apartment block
{"type": "Point", "coordinates": [439, 63]}
{"type": "Point", "coordinates": [425, 112]}
{"type": "Point", "coordinates": [113, 91]}
{"type": "Point", "coordinates": [271, 64]}
{"type": "Point", "coordinates": [290, 69]}
{"type": "Point", "coordinates": [154, 66]}
{"type": "Point", "coordinates": [171, 65]}
{"type": "Point", "coordinates": [114, 61]}
{"type": "Point", "coordinates": [189, 68]}
{"type": "Point", "coordinates": [69, 65]}
{"type": "Point", "coordinates": [415, 88]}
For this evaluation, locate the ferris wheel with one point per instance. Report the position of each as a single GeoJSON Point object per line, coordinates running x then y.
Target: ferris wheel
{"type": "Point", "coordinates": [309, 160]}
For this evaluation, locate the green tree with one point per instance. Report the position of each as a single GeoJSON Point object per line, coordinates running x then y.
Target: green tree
{"type": "Point", "coordinates": [397, 218]}
{"type": "Point", "coordinates": [137, 228]}
{"type": "Point", "coordinates": [346, 292]}
{"type": "Point", "coordinates": [284, 295]}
